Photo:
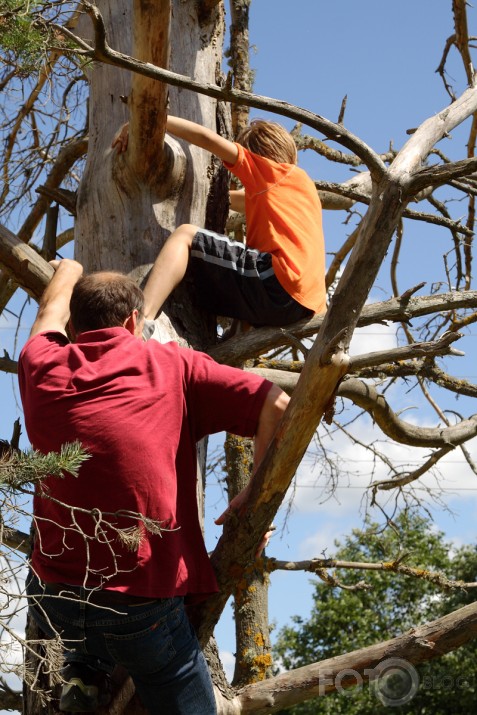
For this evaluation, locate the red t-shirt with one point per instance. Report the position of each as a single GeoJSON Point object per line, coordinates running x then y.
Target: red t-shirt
{"type": "Point", "coordinates": [283, 213]}
{"type": "Point", "coordinates": [139, 409]}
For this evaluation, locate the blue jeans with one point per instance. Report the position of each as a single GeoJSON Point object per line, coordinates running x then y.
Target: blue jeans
{"type": "Point", "coordinates": [154, 642]}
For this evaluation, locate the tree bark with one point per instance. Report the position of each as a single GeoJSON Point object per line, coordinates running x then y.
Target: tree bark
{"type": "Point", "coordinates": [253, 657]}
{"type": "Point", "coordinates": [366, 664]}
{"type": "Point", "coordinates": [128, 204]}
{"type": "Point", "coordinates": [126, 210]}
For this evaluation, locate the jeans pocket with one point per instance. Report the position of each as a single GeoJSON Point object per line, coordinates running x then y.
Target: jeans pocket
{"type": "Point", "coordinates": [152, 648]}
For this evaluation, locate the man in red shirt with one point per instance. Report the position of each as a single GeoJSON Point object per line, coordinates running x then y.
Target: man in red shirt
{"type": "Point", "coordinates": [122, 542]}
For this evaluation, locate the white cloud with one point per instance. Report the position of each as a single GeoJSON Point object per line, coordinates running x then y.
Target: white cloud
{"type": "Point", "coordinates": [373, 338]}
{"type": "Point", "coordinates": [228, 662]}
{"type": "Point", "coordinates": [345, 492]}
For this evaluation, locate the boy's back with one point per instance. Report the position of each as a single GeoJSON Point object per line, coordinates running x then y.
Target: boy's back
{"type": "Point", "coordinates": [279, 276]}
{"type": "Point", "coordinates": [283, 213]}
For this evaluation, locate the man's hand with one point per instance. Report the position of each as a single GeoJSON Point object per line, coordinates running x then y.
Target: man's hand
{"type": "Point", "coordinates": [237, 504]}
{"type": "Point", "coordinates": [121, 138]}
{"type": "Point", "coordinates": [272, 411]}
{"type": "Point", "coordinates": [54, 309]}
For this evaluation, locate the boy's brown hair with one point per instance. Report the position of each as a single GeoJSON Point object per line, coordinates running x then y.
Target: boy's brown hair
{"type": "Point", "coordinates": [104, 300]}
{"type": "Point", "coordinates": [269, 139]}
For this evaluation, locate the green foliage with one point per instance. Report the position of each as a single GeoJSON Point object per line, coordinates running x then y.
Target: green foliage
{"type": "Point", "coordinates": [22, 468]}
{"type": "Point", "coordinates": [22, 40]}
{"type": "Point", "coordinates": [28, 31]}
{"type": "Point", "coordinates": [343, 621]}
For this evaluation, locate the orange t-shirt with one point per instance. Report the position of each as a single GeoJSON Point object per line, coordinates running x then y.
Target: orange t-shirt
{"type": "Point", "coordinates": [283, 213]}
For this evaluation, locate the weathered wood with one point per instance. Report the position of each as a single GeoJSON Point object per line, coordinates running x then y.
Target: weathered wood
{"type": "Point", "coordinates": [421, 644]}
{"type": "Point", "coordinates": [256, 342]}
{"type": "Point", "coordinates": [28, 269]}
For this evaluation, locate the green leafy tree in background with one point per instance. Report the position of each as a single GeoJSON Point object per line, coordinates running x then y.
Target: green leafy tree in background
{"type": "Point", "coordinates": [382, 606]}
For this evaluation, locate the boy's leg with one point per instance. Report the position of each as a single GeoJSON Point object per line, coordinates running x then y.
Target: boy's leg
{"type": "Point", "coordinates": [239, 282]}
{"type": "Point", "coordinates": [169, 269]}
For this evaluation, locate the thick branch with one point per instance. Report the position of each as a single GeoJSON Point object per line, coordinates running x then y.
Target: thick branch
{"type": "Point", "coordinates": [15, 539]}
{"type": "Point", "coordinates": [148, 100]}
{"type": "Point", "coordinates": [367, 397]}
{"type": "Point", "coordinates": [237, 350]}
{"type": "Point", "coordinates": [10, 699]}
{"type": "Point", "coordinates": [240, 59]}
{"type": "Point", "coordinates": [240, 538]}
{"type": "Point", "coordinates": [420, 644]}
{"type": "Point", "coordinates": [8, 365]}
{"type": "Point", "coordinates": [26, 266]}
{"type": "Point", "coordinates": [103, 53]}
{"type": "Point", "coordinates": [459, 9]}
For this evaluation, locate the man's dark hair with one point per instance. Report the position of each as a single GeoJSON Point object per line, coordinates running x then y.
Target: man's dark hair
{"type": "Point", "coordinates": [104, 300]}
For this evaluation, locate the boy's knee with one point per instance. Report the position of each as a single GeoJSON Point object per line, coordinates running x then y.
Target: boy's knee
{"type": "Point", "coordinates": [185, 232]}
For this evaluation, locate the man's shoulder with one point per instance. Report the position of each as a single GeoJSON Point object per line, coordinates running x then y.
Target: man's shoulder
{"type": "Point", "coordinates": [46, 338]}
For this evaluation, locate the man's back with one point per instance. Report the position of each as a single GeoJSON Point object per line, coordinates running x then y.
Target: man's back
{"type": "Point", "coordinates": [138, 408]}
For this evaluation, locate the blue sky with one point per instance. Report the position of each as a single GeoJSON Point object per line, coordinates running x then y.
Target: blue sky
{"type": "Point", "coordinates": [383, 56]}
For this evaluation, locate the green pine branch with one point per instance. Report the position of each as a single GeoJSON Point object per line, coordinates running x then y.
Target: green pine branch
{"type": "Point", "coordinates": [17, 469]}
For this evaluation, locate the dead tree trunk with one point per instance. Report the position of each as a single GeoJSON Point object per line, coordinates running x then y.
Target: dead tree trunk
{"type": "Point", "coordinates": [127, 205]}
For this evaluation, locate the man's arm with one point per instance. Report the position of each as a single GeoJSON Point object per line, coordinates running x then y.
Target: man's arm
{"type": "Point", "coordinates": [54, 310]}
{"type": "Point", "coordinates": [272, 411]}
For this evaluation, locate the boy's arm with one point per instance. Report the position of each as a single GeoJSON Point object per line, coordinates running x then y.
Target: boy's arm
{"type": "Point", "coordinates": [54, 310]}
{"type": "Point", "coordinates": [191, 132]}
{"type": "Point", "coordinates": [203, 137]}
{"type": "Point", "coordinates": [237, 200]}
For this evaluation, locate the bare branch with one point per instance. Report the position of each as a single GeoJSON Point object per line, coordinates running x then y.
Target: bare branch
{"type": "Point", "coordinates": [427, 349]}
{"type": "Point", "coordinates": [103, 53]}
{"type": "Point", "coordinates": [396, 566]}
{"type": "Point", "coordinates": [439, 174]}
{"type": "Point", "coordinates": [350, 194]}
{"type": "Point", "coordinates": [402, 480]}
{"type": "Point", "coordinates": [420, 644]}
{"type": "Point", "coordinates": [67, 156]}
{"type": "Point", "coordinates": [236, 351]}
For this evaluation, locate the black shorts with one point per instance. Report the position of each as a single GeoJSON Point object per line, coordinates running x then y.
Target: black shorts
{"type": "Point", "coordinates": [239, 282]}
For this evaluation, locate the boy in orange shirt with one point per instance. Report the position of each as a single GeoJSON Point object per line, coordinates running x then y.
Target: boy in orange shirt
{"type": "Point", "coordinates": [279, 276]}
